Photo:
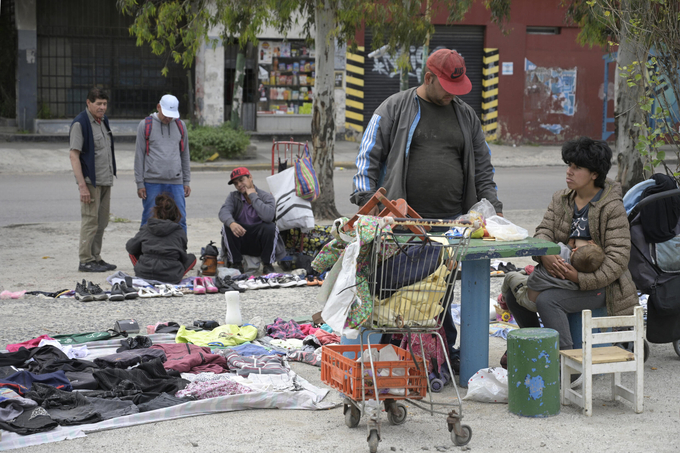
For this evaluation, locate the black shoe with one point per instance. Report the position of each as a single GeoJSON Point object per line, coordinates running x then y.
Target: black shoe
{"type": "Point", "coordinates": [117, 293]}
{"type": "Point", "coordinates": [129, 291]}
{"type": "Point", "coordinates": [92, 266]}
{"type": "Point", "coordinates": [267, 268]}
{"type": "Point", "coordinates": [238, 266]}
{"type": "Point", "coordinates": [96, 291]}
{"type": "Point", "coordinates": [82, 294]}
{"type": "Point", "coordinates": [107, 266]}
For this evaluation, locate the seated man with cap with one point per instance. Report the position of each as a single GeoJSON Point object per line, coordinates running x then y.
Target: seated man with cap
{"type": "Point", "coordinates": [249, 226]}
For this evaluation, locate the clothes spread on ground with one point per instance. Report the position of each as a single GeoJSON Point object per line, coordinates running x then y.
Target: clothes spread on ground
{"type": "Point", "coordinates": [189, 358]}
{"type": "Point", "coordinates": [32, 343]}
{"type": "Point", "coordinates": [282, 330]}
{"type": "Point", "coordinates": [264, 364]}
{"type": "Point", "coordinates": [226, 335]}
{"type": "Point", "coordinates": [129, 358]}
{"type": "Point", "coordinates": [211, 388]}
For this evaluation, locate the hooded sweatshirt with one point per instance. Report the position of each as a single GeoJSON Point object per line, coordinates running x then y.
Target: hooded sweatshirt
{"type": "Point", "coordinates": [161, 247]}
{"type": "Point", "coordinates": [164, 163]}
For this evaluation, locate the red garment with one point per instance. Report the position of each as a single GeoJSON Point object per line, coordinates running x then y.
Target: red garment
{"type": "Point", "coordinates": [326, 337]}
{"type": "Point", "coordinates": [189, 358]}
{"type": "Point", "coordinates": [28, 344]}
{"type": "Point", "coordinates": [308, 329]}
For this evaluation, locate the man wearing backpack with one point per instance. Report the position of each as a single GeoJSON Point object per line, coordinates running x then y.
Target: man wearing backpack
{"type": "Point", "coordinates": [162, 161]}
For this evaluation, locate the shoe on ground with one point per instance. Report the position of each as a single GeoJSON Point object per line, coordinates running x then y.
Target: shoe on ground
{"type": "Point", "coordinates": [252, 283]}
{"type": "Point", "coordinates": [92, 266]}
{"type": "Point", "coordinates": [267, 268]}
{"type": "Point", "coordinates": [262, 283]}
{"type": "Point", "coordinates": [128, 291]}
{"type": "Point", "coordinates": [82, 294]}
{"type": "Point", "coordinates": [237, 266]}
{"type": "Point", "coordinates": [107, 266]}
{"type": "Point", "coordinates": [288, 281]}
{"type": "Point", "coordinates": [96, 291]}
{"type": "Point", "coordinates": [117, 293]}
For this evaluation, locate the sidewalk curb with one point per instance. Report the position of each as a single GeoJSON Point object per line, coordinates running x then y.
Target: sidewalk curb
{"type": "Point", "coordinates": [255, 166]}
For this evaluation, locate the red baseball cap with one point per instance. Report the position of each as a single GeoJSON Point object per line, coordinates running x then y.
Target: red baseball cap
{"type": "Point", "coordinates": [449, 67]}
{"type": "Point", "coordinates": [237, 173]}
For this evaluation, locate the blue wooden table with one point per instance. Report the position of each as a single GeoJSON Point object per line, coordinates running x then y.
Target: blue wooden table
{"type": "Point", "coordinates": [475, 295]}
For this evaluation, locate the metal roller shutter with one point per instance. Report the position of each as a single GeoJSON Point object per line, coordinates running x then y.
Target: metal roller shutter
{"type": "Point", "coordinates": [380, 80]}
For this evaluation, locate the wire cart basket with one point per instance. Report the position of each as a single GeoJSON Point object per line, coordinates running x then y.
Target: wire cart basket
{"type": "Point", "coordinates": [411, 281]}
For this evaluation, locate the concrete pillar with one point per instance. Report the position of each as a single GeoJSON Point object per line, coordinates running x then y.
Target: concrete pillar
{"type": "Point", "coordinates": [27, 65]}
{"type": "Point", "coordinates": [210, 83]}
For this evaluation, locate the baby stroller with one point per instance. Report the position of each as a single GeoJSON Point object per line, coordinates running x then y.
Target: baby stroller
{"type": "Point", "coordinates": [653, 208]}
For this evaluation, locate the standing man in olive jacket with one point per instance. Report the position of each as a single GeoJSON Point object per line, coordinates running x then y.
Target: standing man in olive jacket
{"type": "Point", "coordinates": [94, 166]}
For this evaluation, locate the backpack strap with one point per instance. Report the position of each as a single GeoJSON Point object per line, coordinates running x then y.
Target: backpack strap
{"type": "Point", "coordinates": [148, 123]}
{"type": "Point", "coordinates": [180, 126]}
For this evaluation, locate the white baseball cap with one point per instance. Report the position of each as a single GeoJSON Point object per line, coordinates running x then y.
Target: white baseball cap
{"type": "Point", "coordinates": [170, 106]}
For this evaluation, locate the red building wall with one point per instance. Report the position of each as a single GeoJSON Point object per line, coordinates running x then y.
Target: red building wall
{"type": "Point", "coordinates": [529, 109]}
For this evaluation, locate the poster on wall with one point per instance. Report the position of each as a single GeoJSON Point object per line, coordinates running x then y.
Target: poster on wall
{"type": "Point", "coordinates": [265, 52]}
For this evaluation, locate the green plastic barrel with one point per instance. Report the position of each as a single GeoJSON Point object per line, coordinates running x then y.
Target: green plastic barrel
{"type": "Point", "coordinates": [534, 372]}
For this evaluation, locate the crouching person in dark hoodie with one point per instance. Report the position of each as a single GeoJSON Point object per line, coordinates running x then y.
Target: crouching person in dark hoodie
{"type": "Point", "coordinates": [159, 250]}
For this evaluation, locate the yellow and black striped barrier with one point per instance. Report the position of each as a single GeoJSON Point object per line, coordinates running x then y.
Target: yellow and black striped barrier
{"type": "Point", "coordinates": [354, 95]}
{"type": "Point", "coordinates": [490, 94]}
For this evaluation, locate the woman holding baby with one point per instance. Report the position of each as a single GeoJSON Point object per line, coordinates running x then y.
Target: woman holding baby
{"type": "Point", "coordinates": [589, 209]}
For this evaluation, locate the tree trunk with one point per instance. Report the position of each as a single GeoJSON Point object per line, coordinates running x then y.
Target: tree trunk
{"type": "Point", "coordinates": [627, 114]}
{"type": "Point", "coordinates": [323, 112]}
{"type": "Point", "coordinates": [237, 98]}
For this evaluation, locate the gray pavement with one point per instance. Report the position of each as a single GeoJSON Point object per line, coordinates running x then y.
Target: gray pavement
{"type": "Point", "coordinates": [18, 157]}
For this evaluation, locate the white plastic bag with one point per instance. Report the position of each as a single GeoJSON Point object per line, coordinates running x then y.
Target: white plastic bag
{"type": "Point", "coordinates": [291, 210]}
{"type": "Point", "coordinates": [504, 230]}
{"type": "Point", "coordinates": [483, 207]}
{"type": "Point", "coordinates": [488, 385]}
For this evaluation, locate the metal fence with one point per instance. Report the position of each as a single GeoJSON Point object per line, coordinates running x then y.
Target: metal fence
{"type": "Point", "coordinates": [82, 44]}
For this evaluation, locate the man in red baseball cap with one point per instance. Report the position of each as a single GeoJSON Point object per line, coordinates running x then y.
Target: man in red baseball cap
{"type": "Point", "coordinates": [427, 146]}
{"type": "Point", "coordinates": [249, 227]}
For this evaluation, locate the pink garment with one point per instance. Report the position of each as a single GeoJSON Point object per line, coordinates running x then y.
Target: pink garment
{"type": "Point", "coordinates": [326, 337]}
{"type": "Point", "coordinates": [431, 346]}
{"type": "Point", "coordinates": [189, 358]}
{"type": "Point", "coordinates": [12, 295]}
{"type": "Point", "coordinates": [28, 344]}
{"type": "Point", "coordinates": [308, 329]}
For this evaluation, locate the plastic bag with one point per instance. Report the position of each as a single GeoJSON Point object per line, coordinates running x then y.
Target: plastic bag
{"type": "Point", "coordinates": [483, 208]}
{"type": "Point", "coordinates": [504, 230]}
{"type": "Point", "coordinates": [488, 385]}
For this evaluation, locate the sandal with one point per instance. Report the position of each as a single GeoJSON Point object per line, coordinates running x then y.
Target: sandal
{"type": "Point", "coordinates": [199, 286]}
{"type": "Point", "coordinates": [147, 293]}
{"type": "Point", "coordinates": [210, 285]}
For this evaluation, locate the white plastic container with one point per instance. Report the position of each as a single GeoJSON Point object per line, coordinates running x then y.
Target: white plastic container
{"type": "Point", "coordinates": [233, 316]}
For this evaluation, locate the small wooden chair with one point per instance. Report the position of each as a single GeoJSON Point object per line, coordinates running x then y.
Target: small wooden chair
{"type": "Point", "coordinates": [398, 209]}
{"type": "Point", "coordinates": [610, 360]}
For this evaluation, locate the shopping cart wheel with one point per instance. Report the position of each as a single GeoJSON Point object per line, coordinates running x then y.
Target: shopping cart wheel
{"type": "Point", "coordinates": [373, 441]}
{"type": "Point", "coordinates": [436, 385]}
{"type": "Point", "coordinates": [396, 415]}
{"type": "Point", "coordinates": [352, 415]}
{"type": "Point", "coordinates": [464, 439]}
{"type": "Point", "coordinates": [676, 346]}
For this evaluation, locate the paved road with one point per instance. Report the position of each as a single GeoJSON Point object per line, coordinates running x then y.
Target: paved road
{"type": "Point", "coordinates": [39, 198]}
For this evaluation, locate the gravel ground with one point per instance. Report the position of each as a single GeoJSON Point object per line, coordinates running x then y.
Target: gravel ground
{"type": "Point", "coordinates": [44, 257]}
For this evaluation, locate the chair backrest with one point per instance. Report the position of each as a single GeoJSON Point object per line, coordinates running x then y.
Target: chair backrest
{"type": "Point", "coordinates": [286, 151]}
{"type": "Point", "coordinates": [633, 332]}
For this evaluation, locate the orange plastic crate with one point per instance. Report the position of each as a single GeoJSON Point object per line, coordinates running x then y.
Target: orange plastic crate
{"type": "Point", "coordinates": [344, 373]}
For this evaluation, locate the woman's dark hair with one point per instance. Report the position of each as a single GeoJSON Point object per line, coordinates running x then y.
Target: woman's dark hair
{"type": "Point", "coordinates": [166, 209]}
{"type": "Point", "coordinates": [595, 155]}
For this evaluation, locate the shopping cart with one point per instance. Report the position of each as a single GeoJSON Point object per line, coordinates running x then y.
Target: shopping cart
{"type": "Point", "coordinates": [285, 154]}
{"type": "Point", "coordinates": [411, 290]}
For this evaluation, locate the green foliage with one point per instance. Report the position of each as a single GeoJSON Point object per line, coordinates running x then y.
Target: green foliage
{"type": "Point", "coordinates": [44, 112]}
{"type": "Point", "coordinates": [204, 141]}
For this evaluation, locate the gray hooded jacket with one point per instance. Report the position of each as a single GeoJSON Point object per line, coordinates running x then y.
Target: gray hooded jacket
{"type": "Point", "coordinates": [164, 164]}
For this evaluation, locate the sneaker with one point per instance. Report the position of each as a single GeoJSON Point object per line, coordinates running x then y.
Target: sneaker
{"type": "Point", "coordinates": [252, 283]}
{"type": "Point", "coordinates": [92, 266]}
{"type": "Point", "coordinates": [262, 283]}
{"type": "Point", "coordinates": [273, 281]}
{"type": "Point", "coordinates": [128, 291]}
{"type": "Point", "coordinates": [267, 268]}
{"type": "Point", "coordinates": [288, 281]}
{"type": "Point", "coordinates": [96, 291]}
{"type": "Point", "coordinates": [241, 286]}
{"type": "Point", "coordinates": [299, 281]}
{"type": "Point", "coordinates": [107, 266]}
{"type": "Point", "coordinates": [82, 294]}
{"type": "Point", "coordinates": [117, 293]}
